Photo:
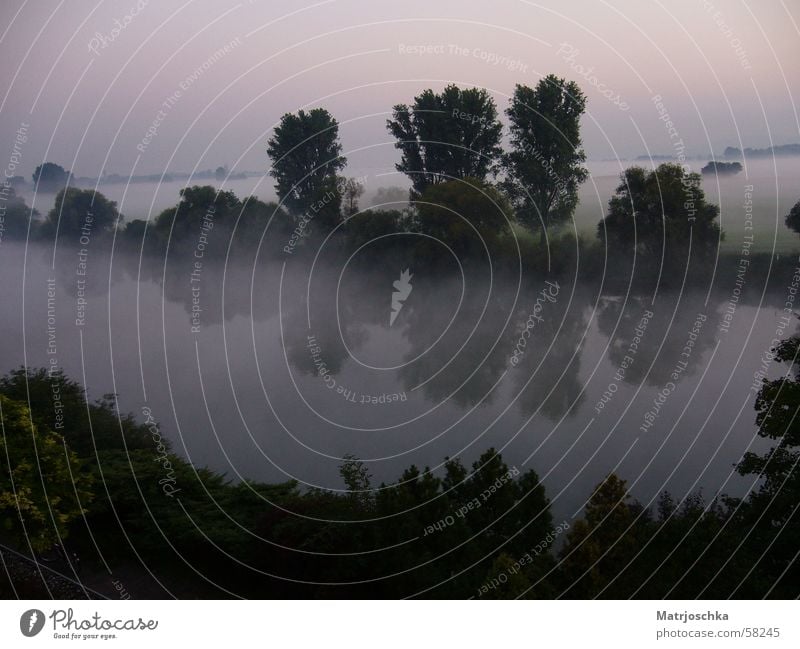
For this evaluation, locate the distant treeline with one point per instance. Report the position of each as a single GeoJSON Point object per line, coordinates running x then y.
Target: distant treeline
{"type": "Point", "coordinates": [769, 152]}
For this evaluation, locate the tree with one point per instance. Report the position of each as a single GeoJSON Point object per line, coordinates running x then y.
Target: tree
{"type": "Point", "coordinates": [220, 173]}
{"type": "Point", "coordinates": [81, 212]}
{"type": "Point", "coordinates": [793, 218]}
{"type": "Point", "coordinates": [199, 207]}
{"type": "Point", "coordinates": [352, 191]}
{"type": "Point", "coordinates": [545, 165]}
{"type": "Point", "coordinates": [50, 177]}
{"type": "Point", "coordinates": [306, 157]}
{"type": "Point", "coordinates": [464, 214]}
{"type": "Point", "coordinates": [771, 510]}
{"type": "Point", "coordinates": [42, 485]}
{"type": "Point", "coordinates": [455, 134]}
{"type": "Point", "coordinates": [86, 426]}
{"type": "Point", "coordinates": [653, 210]}
{"type": "Point", "coordinates": [14, 214]}
{"type": "Point", "coordinates": [601, 545]}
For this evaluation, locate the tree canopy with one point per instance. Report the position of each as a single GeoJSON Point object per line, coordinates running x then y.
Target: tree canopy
{"type": "Point", "coordinates": [81, 212]}
{"type": "Point", "coordinates": [545, 164]}
{"type": "Point", "coordinates": [42, 485]}
{"type": "Point", "coordinates": [306, 157]}
{"type": "Point", "coordinates": [444, 136]}
{"type": "Point", "coordinates": [51, 177]}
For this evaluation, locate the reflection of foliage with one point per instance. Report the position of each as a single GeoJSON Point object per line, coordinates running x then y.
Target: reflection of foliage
{"type": "Point", "coordinates": [472, 370]}
{"type": "Point", "coordinates": [557, 373]}
{"type": "Point", "coordinates": [674, 347]}
{"type": "Point", "coordinates": [42, 485]}
{"type": "Point", "coordinates": [437, 535]}
{"type": "Point", "coordinates": [793, 218]}
{"type": "Point", "coordinates": [16, 215]}
{"type": "Point", "coordinates": [83, 425]}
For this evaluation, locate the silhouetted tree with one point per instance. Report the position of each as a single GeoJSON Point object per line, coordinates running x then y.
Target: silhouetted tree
{"type": "Point", "coordinates": [774, 506]}
{"type": "Point", "coordinates": [601, 545]}
{"type": "Point", "coordinates": [445, 136]}
{"type": "Point", "coordinates": [50, 177]}
{"type": "Point", "coordinates": [81, 212]}
{"type": "Point", "coordinates": [306, 157]}
{"type": "Point", "coordinates": [42, 485]}
{"type": "Point", "coordinates": [545, 165]}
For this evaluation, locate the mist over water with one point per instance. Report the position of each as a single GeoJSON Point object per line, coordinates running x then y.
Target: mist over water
{"type": "Point", "coordinates": [289, 362]}
{"type": "Point", "coordinates": [421, 300]}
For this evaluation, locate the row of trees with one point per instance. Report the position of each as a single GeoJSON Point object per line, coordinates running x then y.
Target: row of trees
{"type": "Point", "coordinates": [466, 190]}
{"type": "Point", "coordinates": [483, 531]}
{"type": "Point", "coordinates": [451, 136]}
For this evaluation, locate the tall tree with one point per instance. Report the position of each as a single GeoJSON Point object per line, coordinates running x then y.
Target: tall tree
{"type": "Point", "coordinates": [793, 218]}
{"type": "Point", "coordinates": [468, 215]}
{"type": "Point", "coordinates": [545, 165]}
{"type": "Point", "coordinates": [306, 156]}
{"type": "Point", "coordinates": [774, 506]}
{"type": "Point", "coordinates": [447, 136]}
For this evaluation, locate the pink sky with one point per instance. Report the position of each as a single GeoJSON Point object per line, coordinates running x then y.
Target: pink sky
{"type": "Point", "coordinates": [88, 110]}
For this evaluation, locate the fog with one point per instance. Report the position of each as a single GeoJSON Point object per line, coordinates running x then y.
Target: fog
{"type": "Point", "coordinates": [238, 384]}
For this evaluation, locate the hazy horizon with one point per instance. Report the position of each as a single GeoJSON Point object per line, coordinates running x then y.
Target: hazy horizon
{"type": "Point", "coordinates": [89, 95]}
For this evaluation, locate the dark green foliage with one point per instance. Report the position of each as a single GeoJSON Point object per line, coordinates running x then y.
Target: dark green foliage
{"type": "Point", "coordinates": [445, 136]}
{"type": "Point", "coordinates": [306, 158]}
{"type": "Point", "coordinates": [655, 215]}
{"type": "Point", "coordinates": [15, 214]}
{"type": "Point", "coordinates": [80, 212]}
{"type": "Point", "coordinates": [545, 164]}
{"type": "Point", "coordinates": [50, 177]}
{"type": "Point", "coordinates": [42, 485]}
{"type": "Point", "coordinates": [721, 168]}
{"type": "Point", "coordinates": [793, 218]}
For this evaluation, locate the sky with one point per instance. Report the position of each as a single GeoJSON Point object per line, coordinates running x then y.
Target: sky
{"type": "Point", "coordinates": [143, 86]}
